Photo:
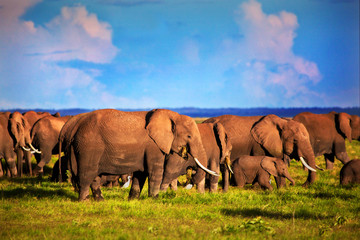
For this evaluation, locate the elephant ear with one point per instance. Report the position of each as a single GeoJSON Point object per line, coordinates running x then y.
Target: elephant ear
{"type": "Point", "coordinates": [221, 138]}
{"type": "Point", "coordinates": [266, 133]}
{"type": "Point", "coordinates": [161, 129]}
{"type": "Point", "coordinates": [344, 124]}
{"type": "Point", "coordinates": [269, 165]}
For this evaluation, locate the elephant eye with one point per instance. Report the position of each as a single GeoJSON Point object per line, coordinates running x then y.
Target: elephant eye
{"type": "Point", "coordinates": [189, 137]}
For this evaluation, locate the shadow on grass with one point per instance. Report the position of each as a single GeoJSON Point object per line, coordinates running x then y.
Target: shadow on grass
{"type": "Point", "coordinates": [26, 180]}
{"type": "Point", "coordinates": [31, 192]}
{"type": "Point", "coordinates": [29, 187]}
{"type": "Point", "coordinates": [256, 212]}
{"type": "Point", "coordinates": [329, 195]}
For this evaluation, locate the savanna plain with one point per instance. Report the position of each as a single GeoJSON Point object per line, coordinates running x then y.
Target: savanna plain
{"type": "Point", "coordinates": [35, 208]}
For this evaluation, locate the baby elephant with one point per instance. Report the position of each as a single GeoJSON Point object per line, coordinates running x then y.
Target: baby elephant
{"type": "Point", "coordinates": [257, 169]}
{"type": "Point", "coordinates": [350, 172]}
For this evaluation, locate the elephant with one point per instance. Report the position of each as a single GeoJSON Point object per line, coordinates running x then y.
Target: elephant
{"type": "Point", "coordinates": [7, 147]}
{"type": "Point", "coordinates": [270, 136]}
{"type": "Point", "coordinates": [350, 172]}
{"type": "Point", "coordinates": [113, 142]}
{"type": "Point", "coordinates": [44, 136]}
{"type": "Point", "coordinates": [217, 148]}
{"type": "Point", "coordinates": [20, 127]}
{"type": "Point", "coordinates": [328, 133]}
{"type": "Point", "coordinates": [258, 169]}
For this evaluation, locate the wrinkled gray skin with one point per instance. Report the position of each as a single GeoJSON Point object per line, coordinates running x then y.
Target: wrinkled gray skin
{"type": "Point", "coordinates": [7, 147]}
{"type": "Point", "coordinates": [268, 136]}
{"type": "Point", "coordinates": [217, 148]}
{"type": "Point", "coordinates": [258, 169]}
{"type": "Point", "coordinates": [20, 127]}
{"type": "Point", "coordinates": [328, 133]}
{"type": "Point", "coordinates": [350, 172]}
{"type": "Point", "coordinates": [44, 136]}
{"type": "Point", "coordinates": [113, 142]}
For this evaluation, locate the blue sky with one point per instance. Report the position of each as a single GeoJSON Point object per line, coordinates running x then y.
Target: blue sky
{"type": "Point", "coordinates": [179, 53]}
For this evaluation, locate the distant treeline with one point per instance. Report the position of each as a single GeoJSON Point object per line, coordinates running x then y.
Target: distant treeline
{"type": "Point", "coordinates": [212, 112]}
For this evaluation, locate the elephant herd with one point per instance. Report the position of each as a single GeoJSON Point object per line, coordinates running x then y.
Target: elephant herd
{"type": "Point", "coordinates": [160, 145]}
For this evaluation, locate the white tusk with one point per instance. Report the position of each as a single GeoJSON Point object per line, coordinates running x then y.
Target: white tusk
{"type": "Point", "coordinates": [321, 169]}
{"type": "Point", "coordinates": [26, 149]}
{"type": "Point", "coordinates": [230, 168]}
{"type": "Point", "coordinates": [228, 164]}
{"type": "Point", "coordinates": [32, 147]}
{"type": "Point", "coordinates": [205, 169]}
{"type": "Point", "coordinates": [306, 165]}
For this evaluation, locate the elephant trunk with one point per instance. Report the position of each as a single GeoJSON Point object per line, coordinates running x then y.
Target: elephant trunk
{"type": "Point", "coordinates": [287, 175]}
{"type": "Point", "coordinates": [197, 151]}
{"type": "Point", "coordinates": [307, 158]}
{"type": "Point", "coordinates": [17, 133]}
{"type": "Point", "coordinates": [174, 167]}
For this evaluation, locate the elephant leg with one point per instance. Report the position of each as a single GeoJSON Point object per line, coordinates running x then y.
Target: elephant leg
{"type": "Point", "coordinates": [280, 182]}
{"type": "Point", "coordinates": [340, 152]}
{"type": "Point", "coordinates": [214, 180]}
{"type": "Point", "coordinates": [201, 186]}
{"type": "Point", "coordinates": [164, 187]}
{"type": "Point", "coordinates": [264, 182]}
{"type": "Point", "coordinates": [84, 192]}
{"type": "Point", "coordinates": [225, 178]}
{"type": "Point", "coordinates": [115, 181]}
{"type": "Point", "coordinates": [39, 169]}
{"type": "Point", "coordinates": [138, 181]}
{"type": "Point", "coordinates": [329, 160]}
{"type": "Point", "coordinates": [85, 181]}
{"type": "Point", "coordinates": [343, 157]}
{"type": "Point", "coordinates": [156, 172]}
{"type": "Point", "coordinates": [96, 189]}
{"type": "Point", "coordinates": [173, 184]}
{"type": "Point", "coordinates": [239, 179]}
{"type": "Point", "coordinates": [11, 165]}
{"type": "Point", "coordinates": [20, 156]}
{"type": "Point", "coordinates": [1, 168]}
{"type": "Point", "coordinates": [28, 163]}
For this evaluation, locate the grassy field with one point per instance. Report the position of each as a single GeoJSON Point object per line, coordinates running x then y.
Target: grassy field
{"type": "Point", "coordinates": [33, 208]}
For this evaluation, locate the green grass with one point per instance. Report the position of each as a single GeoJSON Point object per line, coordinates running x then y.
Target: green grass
{"type": "Point", "coordinates": [33, 208]}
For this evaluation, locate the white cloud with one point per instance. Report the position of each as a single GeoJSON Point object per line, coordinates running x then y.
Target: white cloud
{"type": "Point", "coordinates": [75, 34]}
{"type": "Point", "coordinates": [30, 73]}
{"type": "Point", "coordinates": [265, 62]}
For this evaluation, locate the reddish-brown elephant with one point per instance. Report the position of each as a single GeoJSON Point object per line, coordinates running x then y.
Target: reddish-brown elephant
{"type": "Point", "coordinates": [218, 149]}
{"type": "Point", "coordinates": [44, 136]}
{"type": "Point", "coordinates": [20, 127]}
{"type": "Point", "coordinates": [7, 147]}
{"type": "Point", "coordinates": [258, 169]}
{"type": "Point", "coordinates": [112, 142]}
{"type": "Point", "coordinates": [269, 136]}
{"type": "Point", "coordinates": [350, 172]}
{"type": "Point", "coordinates": [328, 133]}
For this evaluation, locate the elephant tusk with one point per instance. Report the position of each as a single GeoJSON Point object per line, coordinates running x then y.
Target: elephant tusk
{"type": "Point", "coordinates": [205, 169]}
{"type": "Point", "coordinates": [321, 169]}
{"type": "Point", "coordinates": [306, 165]}
{"type": "Point", "coordinates": [26, 149]}
{"type": "Point", "coordinates": [34, 149]}
{"type": "Point", "coordinates": [228, 164]}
